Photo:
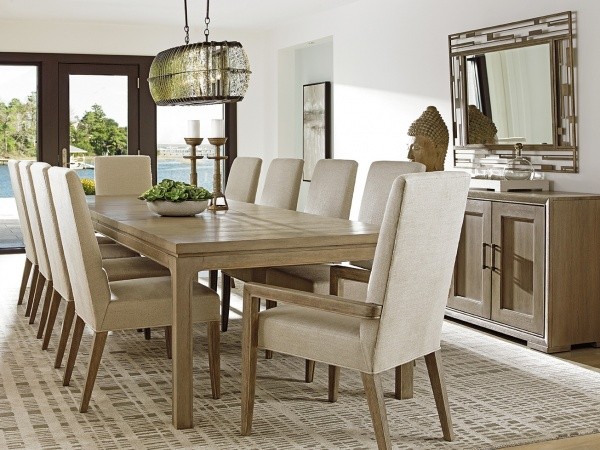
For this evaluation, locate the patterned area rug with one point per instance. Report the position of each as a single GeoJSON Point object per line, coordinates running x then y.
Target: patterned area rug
{"type": "Point", "coordinates": [501, 394]}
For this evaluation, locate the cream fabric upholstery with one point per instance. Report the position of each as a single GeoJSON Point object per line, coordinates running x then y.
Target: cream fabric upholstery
{"type": "Point", "coordinates": [282, 183]}
{"type": "Point", "coordinates": [95, 302]}
{"type": "Point", "coordinates": [331, 188]}
{"type": "Point", "coordinates": [114, 250]}
{"type": "Point", "coordinates": [315, 277]}
{"type": "Point", "coordinates": [37, 232]}
{"type": "Point", "coordinates": [242, 181]}
{"type": "Point", "coordinates": [17, 187]}
{"type": "Point", "coordinates": [122, 175]}
{"type": "Point", "coordinates": [411, 275]}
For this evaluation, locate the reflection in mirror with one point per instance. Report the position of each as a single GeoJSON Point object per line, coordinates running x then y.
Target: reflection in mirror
{"type": "Point", "coordinates": [512, 89]}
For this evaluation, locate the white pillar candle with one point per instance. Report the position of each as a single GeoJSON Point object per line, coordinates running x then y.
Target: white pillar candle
{"type": "Point", "coordinates": [193, 129]}
{"type": "Point", "coordinates": [217, 128]}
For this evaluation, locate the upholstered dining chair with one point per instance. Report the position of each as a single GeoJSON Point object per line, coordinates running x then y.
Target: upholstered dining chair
{"type": "Point", "coordinates": [116, 268]}
{"type": "Point", "coordinates": [402, 316]}
{"type": "Point", "coordinates": [242, 184]}
{"type": "Point", "coordinates": [281, 190]}
{"type": "Point", "coordinates": [30, 255]}
{"type": "Point", "coordinates": [122, 175]}
{"type": "Point", "coordinates": [118, 305]}
{"type": "Point", "coordinates": [329, 194]}
{"type": "Point", "coordinates": [315, 277]}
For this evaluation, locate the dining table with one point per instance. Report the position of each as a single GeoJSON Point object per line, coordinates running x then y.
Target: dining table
{"type": "Point", "coordinates": [244, 236]}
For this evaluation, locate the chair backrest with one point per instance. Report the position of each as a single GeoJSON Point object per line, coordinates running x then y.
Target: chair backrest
{"type": "Point", "coordinates": [122, 175]}
{"type": "Point", "coordinates": [379, 182]}
{"type": "Point", "coordinates": [56, 256]}
{"type": "Point", "coordinates": [413, 266]}
{"type": "Point", "coordinates": [37, 232]}
{"type": "Point", "coordinates": [84, 262]}
{"type": "Point", "coordinates": [17, 187]}
{"type": "Point", "coordinates": [242, 181]}
{"type": "Point", "coordinates": [282, 183]}
{"type": "Point", "coordinates": [331, 188]}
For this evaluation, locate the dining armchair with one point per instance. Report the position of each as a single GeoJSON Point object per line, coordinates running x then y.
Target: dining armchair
{"type": "Point", "coordinates": [116, 268]}
{"type": "Point", "coordinates": [401, 319]}
{"type": "Point", "coordinates": [281, 190]}
{"type": "Point", "coordinates": [315, 277]}
{"type": "Point", "coordinates": [122, 175]}
{"type": "Point", "coordinates": [30, 255]}
{"type": "Point", "coordinates": [118, 305]}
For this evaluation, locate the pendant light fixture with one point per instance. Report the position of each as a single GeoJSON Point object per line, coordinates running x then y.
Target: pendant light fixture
{"type": "Point", "coordinates": [200, 74]}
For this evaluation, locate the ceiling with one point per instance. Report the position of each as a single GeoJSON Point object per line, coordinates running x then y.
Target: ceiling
{"type": "Point", "coordinates": [245, 14]}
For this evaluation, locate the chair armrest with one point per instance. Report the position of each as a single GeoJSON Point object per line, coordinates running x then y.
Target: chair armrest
{"type": "Point", "coordinates": [337, 273]}
{"type": "Point", "coordinates": [328, 303]}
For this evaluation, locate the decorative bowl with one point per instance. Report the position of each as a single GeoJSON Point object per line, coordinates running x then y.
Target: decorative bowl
{"type": "Point", "coordinates": [177, 209]}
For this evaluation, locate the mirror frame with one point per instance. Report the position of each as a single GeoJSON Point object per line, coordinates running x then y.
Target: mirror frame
{"type": "Point", "coordinates": [556, 30]}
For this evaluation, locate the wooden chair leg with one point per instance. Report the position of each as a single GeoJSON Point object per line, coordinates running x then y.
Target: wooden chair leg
{"type": "Point", "coordinates": [147, 334]}
{"type": "Point", "coordinates": [374, 391]}
{"type": "Point", "coordinates": [268, 305]}
{"type": "Point", "coordinates": [309, 371]}
{"type": "Point", "coordinates": [95, 357]}
{"type": "Point", "coordinates": [169, 341]}
{"type": "Point", "coordinates": [438, 385]}
{"type": "Point", "coordinates": [404, 381]}
{"type": "Point", "coordinates": [64, 334]}
{"type": "Point", "coordinates": [54, 305]}
{"type": "Point", "coordinates": [249, 360]}
{"type": "Point", "coordinates": [75, 341]}
{"type": "Point", "coordinates": [213, 276]}
{"type": "Point", "coordinates": [24, 280]}
{"type": "Point", "coordinates": [39, 288]}
{"type": "Point", "coordinates": [45, 307]}
{"type": "Point", "coordinates": [334, 383]}
{"type": "Point", "coordinates": [35, 279]}
{"type": "Point", "coordinates": [214, 358]}
{"type": "Point", "coordinates": [225, 300]}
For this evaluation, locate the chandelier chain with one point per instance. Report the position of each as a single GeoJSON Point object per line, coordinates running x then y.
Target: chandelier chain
{"type": "Point", "coordinates": [186, 28]}
{"type": "Point", "coordinates": [207, 21]}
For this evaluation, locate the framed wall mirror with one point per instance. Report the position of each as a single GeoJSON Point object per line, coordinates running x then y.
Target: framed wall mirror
{"type": "Point", "coordinates": [515, 83]}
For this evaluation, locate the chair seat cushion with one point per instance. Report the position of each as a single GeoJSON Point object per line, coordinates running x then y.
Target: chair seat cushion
{"type": "Point", "coordinates": [109, 251]}
{"type": "Point", "coordinates": [104, 239]}
{"type": "Point", "coordinates": [256, 275]}
{"type": "Point", "coordinates": [133, 267]}
{"type": "Point", "coordinates": [147, 302]}
{"type": "Point", "coordinates": [313, 334]}
{"type": "Point", "coordinates": [308, 278]}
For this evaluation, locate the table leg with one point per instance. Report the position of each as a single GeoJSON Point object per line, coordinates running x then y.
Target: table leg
{"type": "Point", "coordinates": [183, 386]}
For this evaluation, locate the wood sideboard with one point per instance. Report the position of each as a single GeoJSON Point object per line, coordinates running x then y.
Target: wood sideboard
{"type": "Point", "coordinates": [528, 266]}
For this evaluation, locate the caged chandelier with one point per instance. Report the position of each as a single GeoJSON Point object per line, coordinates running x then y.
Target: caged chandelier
{"type": "Point", "coordinates": [200, 74]}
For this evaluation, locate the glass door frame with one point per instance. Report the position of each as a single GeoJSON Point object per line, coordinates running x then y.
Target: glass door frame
{"type": "Point", "coordinates": [131, 71]}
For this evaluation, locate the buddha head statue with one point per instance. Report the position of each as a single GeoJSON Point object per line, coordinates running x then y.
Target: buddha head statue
{"type": "Point", "coordinates": [481, 128]}
{"type": "Point", "coordinates": [430, 142]}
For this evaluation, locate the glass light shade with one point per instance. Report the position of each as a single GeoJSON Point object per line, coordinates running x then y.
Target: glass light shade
{"type": "Point", "coordinates": [200, 74]}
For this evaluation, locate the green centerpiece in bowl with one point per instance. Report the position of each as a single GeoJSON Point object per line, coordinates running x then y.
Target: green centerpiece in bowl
{"type": "Point", "coordinates": [176, 198]}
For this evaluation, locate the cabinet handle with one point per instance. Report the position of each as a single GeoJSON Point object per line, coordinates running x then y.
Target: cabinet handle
{"type": "Point", "coordinates": [484, 256]}
{"type": "Point", "coordinates": [494, 248]}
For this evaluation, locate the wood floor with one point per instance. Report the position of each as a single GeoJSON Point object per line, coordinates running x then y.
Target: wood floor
{"type": "Point", "coordinates": [11, 267]}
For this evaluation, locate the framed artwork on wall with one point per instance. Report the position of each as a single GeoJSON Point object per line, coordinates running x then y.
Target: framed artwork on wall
{"type": "Point", "coordinates": [316, 125]}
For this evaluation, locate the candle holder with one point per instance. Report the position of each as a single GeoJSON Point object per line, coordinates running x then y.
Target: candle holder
{"type": "Point", "coordinates": [193, 143]}
{"type": "Point", "coordinates": [217, 192]}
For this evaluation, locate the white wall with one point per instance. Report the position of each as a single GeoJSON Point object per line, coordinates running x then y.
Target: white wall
{"type": "Point", "coordinates": [390, 61]}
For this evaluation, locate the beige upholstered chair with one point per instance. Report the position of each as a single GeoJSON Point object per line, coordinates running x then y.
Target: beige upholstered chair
{"type": "Point", "coordinates": [116, 268]}
{"type": "Point", "coordinates": [122, 175]}
{"type": "Point", "coordinates": [402, 317]}
{"type": "Point", "coordinates": [119, 305]}
{"type": "Point", "coordinates": [281, 189]}
{"type": "Point", "coordinates": [329, 194]}
{"type": "Point", "coordinates": [30, 255]}
{"type": "Point", "coordinates": [315, 277]}
{"type": "Point", "coordinates": [242, 181]}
